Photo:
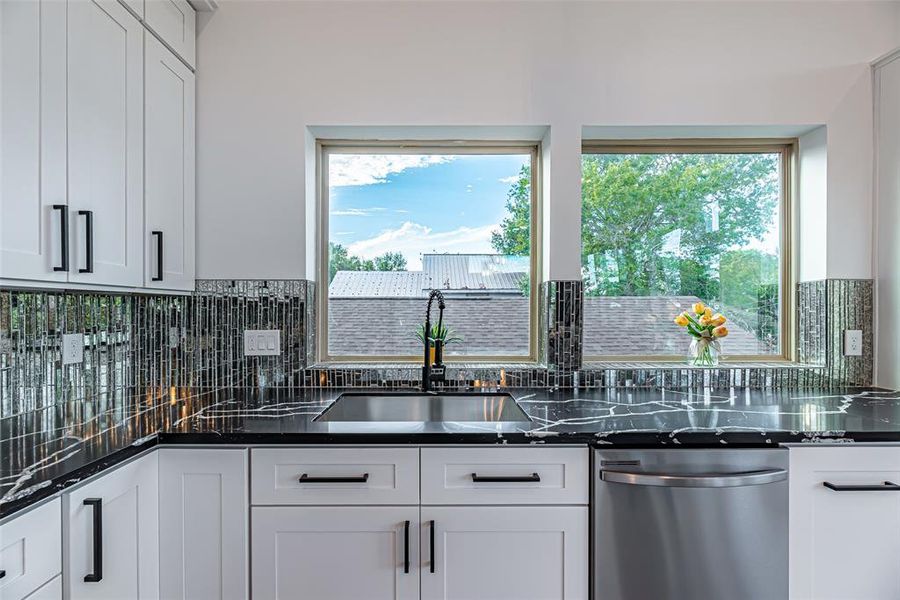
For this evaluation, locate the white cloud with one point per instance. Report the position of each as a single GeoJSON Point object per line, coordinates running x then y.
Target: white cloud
{"type": "Point", "coordinates": [509, 180]}
{"type": "Point", "coordinates": [367, 169]}
{"type": "Point", "coordinates": [413, 240]}
{"type": "Point", "coordinates": [357, 212]}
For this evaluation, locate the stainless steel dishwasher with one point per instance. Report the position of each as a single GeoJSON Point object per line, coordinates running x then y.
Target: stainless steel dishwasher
{"type": "Point", "coordinates": [690, 524]}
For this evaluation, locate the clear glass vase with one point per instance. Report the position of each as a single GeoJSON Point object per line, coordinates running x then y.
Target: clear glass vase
{"type": "Point", "coordinates": [704, 352]}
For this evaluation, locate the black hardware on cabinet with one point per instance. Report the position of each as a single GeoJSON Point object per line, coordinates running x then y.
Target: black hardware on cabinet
{"type": "Point", "coordinates": [360, 479]}
{"type": "Point", "coordinates": [887, 486]}
{"type": "Point", "coordinates": [2, 573]}
{"type": "Point", "coordinates": [63, 237]}
{"type": "Point", "coordinates": [89, 241]}
{"type": "Point", "coordinates": [96, 504]}
{"type": "Point", "coordinates": [406, 546]}
{"type": "Point", "coordinates": [159, 255]}
{"type": "Point", "coordinates": [431, 545]}
{"type": "Point", "coordinates": [534, 477]}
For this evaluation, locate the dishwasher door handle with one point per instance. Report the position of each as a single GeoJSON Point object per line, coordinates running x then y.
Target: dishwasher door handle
{"type": "Point", "coordinates": [705, 480]}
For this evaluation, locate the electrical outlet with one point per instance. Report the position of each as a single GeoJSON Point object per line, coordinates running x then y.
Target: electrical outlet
{"type": "Point", "coordinates": [853, 342]}
{"type": "Point", "coordinates": [262, 342]}
{"type": "Point", "coordinates": [72, 348]}
{"type": "Point", "coordinates": [174, 338]}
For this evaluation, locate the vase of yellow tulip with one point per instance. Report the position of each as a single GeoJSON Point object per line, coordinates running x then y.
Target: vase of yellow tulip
{"type": "Point", "coordinates": [706, 329]}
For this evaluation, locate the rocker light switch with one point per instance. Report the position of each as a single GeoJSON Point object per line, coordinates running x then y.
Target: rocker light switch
{"type": "Point", "coordinates": [262, 342]}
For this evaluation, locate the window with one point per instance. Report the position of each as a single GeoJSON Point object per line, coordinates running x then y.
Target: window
{"type": "Point", "coordinates": [403, 219]}
{"type": "Point", "coordinates": [666, 225]}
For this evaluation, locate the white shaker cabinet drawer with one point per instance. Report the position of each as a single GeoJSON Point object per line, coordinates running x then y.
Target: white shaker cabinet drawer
{"type": "Point", "coordinates": [334, 476]}
{"type": "Point", "coordinates": [503, 475]}
{"type": "Point", "coordinates": [30, 551]}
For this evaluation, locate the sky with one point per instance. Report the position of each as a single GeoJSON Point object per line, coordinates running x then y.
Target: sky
{"type": "Point", "coordinates": [417, 204]}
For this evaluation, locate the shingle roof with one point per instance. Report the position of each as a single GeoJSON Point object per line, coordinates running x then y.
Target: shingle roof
{"type": "Point", "coordinates": [498, 325]}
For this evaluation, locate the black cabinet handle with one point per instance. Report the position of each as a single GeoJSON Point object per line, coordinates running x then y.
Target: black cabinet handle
{"type": "Point", "coordinates": [96, 504]}
{"type": "Point", "coordinates": [88, 241]}
{"type": "Point", "coordinates": [159, 255]}
{"type": "Point", "coordinates": [534, 477]}
{"type": "Point", "coordinates": [63, 237]}
{"type": "Point", "coordinates": [2, 573]}
{"type": "Point", "coordinates": [406, 546]}
{"type": "Point", "coordinates": [431, 545]}
{"type": "Point", "coordinates": [360, 479]}
{"type": "Point", "coordinates": [887, 486]}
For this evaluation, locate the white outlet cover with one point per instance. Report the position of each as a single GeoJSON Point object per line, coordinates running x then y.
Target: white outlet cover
{"type": "Point", "coordinates": [853, 342]}
{"type": "Point", "coordinates": [262, 342]}
{"type": "Point", "coordinates": [72, 348]}
{"type": "Point", "coordinates": [174, 337]}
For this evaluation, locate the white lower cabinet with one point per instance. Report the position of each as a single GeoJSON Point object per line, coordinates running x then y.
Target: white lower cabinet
{"type": "Point", "coordinates": [505, 553]}
{"type": "Point", "coordinates": [52, 590]}
{"type": "Point", "coordinates": [845, 536]}
{"type": "Point", "coordinates": [31, 553]}
{"type": "Point", "coordinates": [203, 540]}
{"type": "Point", "coordinates": [113, 540]}
{"type": "Point", "coordinates": [335, 553]}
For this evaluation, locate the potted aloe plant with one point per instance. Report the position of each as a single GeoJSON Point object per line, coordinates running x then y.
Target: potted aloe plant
{"type": "Point", "coordinates": [443, 333]}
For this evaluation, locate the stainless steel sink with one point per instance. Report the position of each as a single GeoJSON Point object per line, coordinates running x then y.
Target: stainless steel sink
{"type": "Point", "coordinates": [424, 408]}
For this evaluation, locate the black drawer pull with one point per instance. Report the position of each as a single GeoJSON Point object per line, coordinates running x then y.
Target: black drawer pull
{"type": "Point", "coordinates": [360, 479]}
{"type": "Point", "coordinates": [159, 255]}
{"type": "Point", "coordinates": [406, 546]}
{"type": "Point", "coordinates": [533, 478]}
{"type": "Point", "coordinates": [97, 575]}
{"type": "Point", "coordinates": [2, 573]}
{"type": "Point", "coordinates": [88, 241]}
{"type": "Point", "coordinates": [63, 237]}
{"type": "Point", "coordinates": [431, 545]}
{"type": "Point", "coordinates": [887, 486]}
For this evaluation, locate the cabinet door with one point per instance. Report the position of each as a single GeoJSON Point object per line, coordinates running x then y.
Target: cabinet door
{"type": "Point", "coordinates": [30, 551]}
{"type": "Point", "coordinates": [105, 142]}
{"type": "Point", "coordinates": [203, 535]}
{"type": "Point", "coordinates": [128, 554]}
{"type": "Point", "coordinates": [32, 138]}
{"type": "Point", "coordinates": [338, 553]}
{"type": "Point", "coordinates": [52, 590]}
{"type": "Point", "coordinates": [844, 544]}
{"type": "Point", "coordinates": [505, 553]}
{"type": "Point", "coordinates": [169, 169]}
{"type": "Point", "coordinates": [176, 23]}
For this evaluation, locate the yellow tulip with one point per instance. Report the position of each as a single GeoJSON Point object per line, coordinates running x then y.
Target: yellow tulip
{"type": "Point", "coordinates": [720, 331]}
{"type": "Point", "coordinates": [708, 312]}
{"type": "Point", "coordinates": [718, 319]}
{"type": "Point", "coordinates": [681, 320]}
{"type": "Point", "coordinates": [705, 320]}
{"type": "Point", "coordinates": [699, 307]}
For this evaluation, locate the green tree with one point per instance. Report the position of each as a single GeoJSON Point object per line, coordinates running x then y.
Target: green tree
{"type": "Point", "coordinates": [514, 237]}
{"type": "Point", "coordinates": [340, 259]}
{"type": "Point", "coordinates": [390, 261]}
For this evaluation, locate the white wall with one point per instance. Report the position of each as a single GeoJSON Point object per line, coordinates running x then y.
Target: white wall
{"type": "Point", "coordinates": [268, 70]}
{"type": "Point", "coordinates": [887, 286]}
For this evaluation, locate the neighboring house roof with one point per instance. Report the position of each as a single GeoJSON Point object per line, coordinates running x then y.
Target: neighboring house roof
{"type": "Point", "coordinates": [377, 284]}
{"type": "Point", "coordinates": [499, 325]}
{"type": "Point", "coordinates": [458, 274]}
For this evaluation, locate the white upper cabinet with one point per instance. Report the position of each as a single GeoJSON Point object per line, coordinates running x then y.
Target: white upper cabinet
{"type": "Point", "coordinates": [105, 143]}
{"type": "Point", "coordinates": [32, 139]}
{"type": "Point", "coordinates": [169, 169]}
{"type": "Point", "coordinates": [176, 23]}
{"type": "Point", "coordinates": [113, 544]}
{"type": "Point", "coordinates": [845, 523]}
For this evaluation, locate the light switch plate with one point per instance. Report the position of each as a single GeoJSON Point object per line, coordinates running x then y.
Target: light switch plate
{"type": "Point", "coordinates": [262, 342]}
{"type": "Point", "coordinates": [174, 337]}
{"type": "Point", "coordinates": [853, 342]}
{"type": "Point", "coordinates": [72, 348]}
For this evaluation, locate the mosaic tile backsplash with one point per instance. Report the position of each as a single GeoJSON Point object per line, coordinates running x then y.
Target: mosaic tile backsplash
{"type": "Point", "coordinates": [159, 342]}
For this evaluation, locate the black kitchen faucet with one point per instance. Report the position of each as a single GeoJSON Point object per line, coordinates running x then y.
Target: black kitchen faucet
{"type": "Point", "coordinates": [433, 372]}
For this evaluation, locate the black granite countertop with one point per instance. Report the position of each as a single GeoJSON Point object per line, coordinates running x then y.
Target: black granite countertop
{"type": "Point", "coordinates": [44, 452]}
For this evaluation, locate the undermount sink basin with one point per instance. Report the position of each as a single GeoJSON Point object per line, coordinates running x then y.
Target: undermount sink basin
{"type": "Point", "coordinates": [424, 408]}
